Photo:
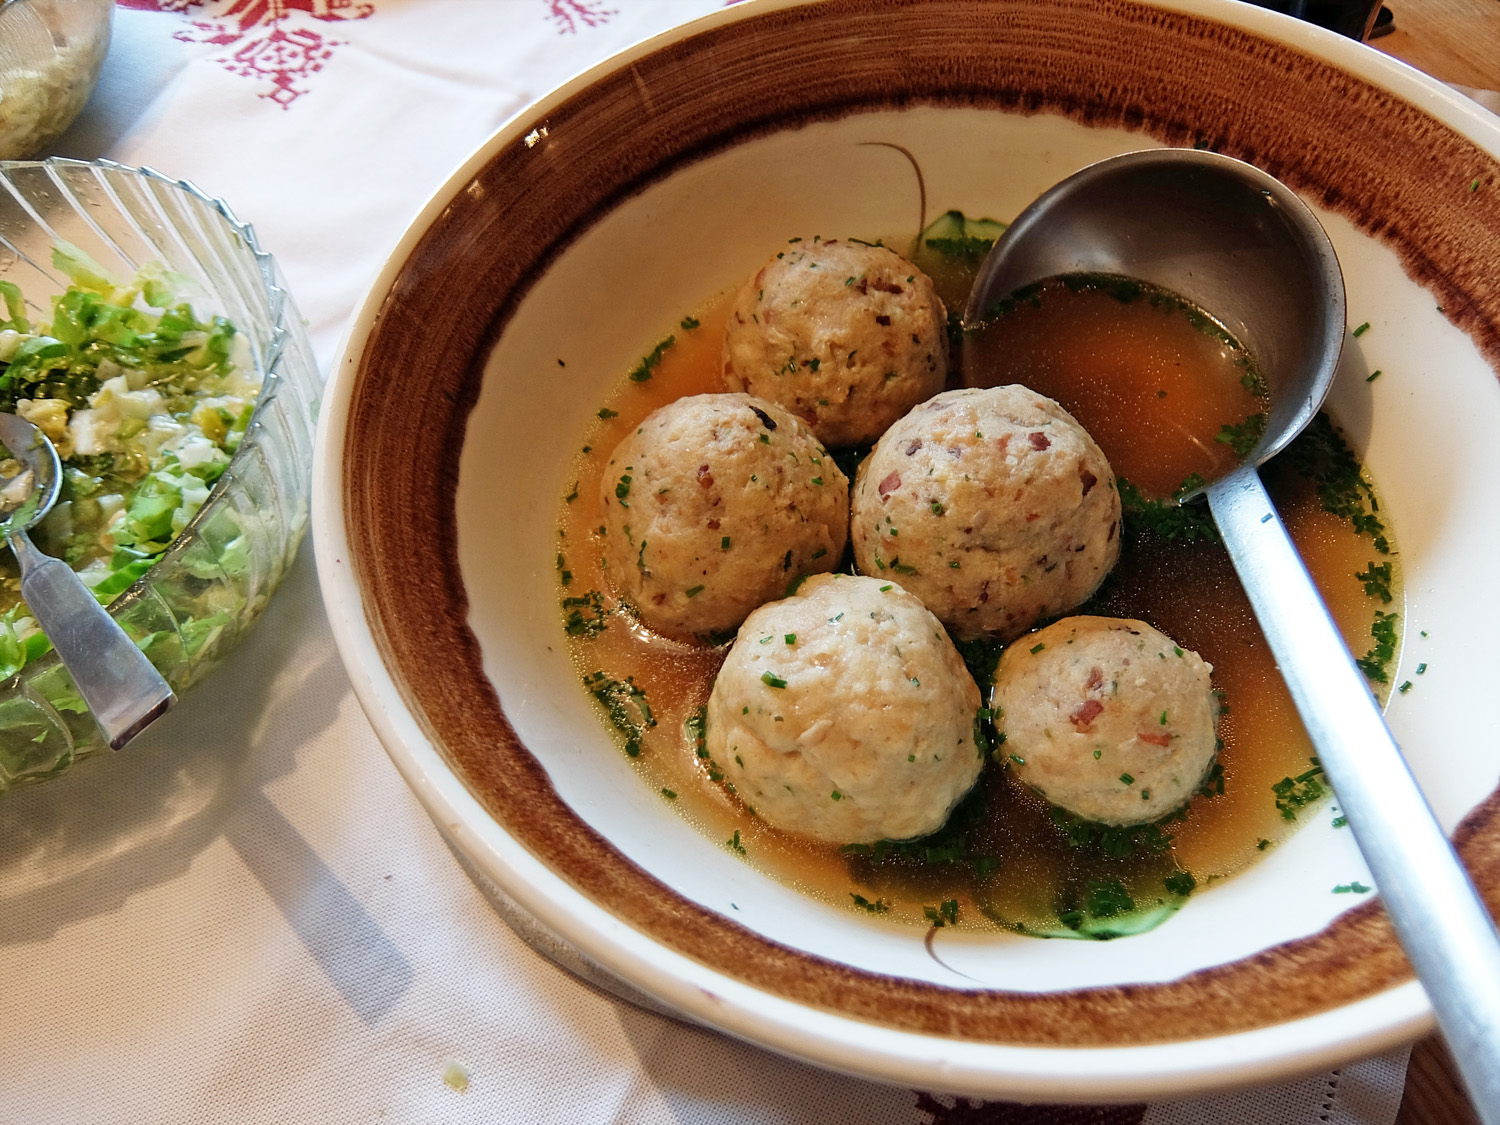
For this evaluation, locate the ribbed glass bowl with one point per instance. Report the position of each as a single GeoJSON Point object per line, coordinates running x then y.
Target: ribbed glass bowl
{"type": "Point", "coordinates": [215, 578]}
{"type": "Point", "coordinates": [51, 54]}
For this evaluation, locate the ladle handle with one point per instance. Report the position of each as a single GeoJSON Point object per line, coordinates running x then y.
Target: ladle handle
{"type": "Point", "coordinates": [1443, 925]}
{"type": "Point", "coordinates": [122, 688]}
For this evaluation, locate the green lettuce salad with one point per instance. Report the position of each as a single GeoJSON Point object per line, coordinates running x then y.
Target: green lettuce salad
{"type": "Point", "coordinates": [146, 403]}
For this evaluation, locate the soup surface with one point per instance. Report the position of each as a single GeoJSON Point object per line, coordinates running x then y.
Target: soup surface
{"type": "Point", "coordinates": [1153, 379]}
{"type": "Point", "coordinates": [1167, 395]}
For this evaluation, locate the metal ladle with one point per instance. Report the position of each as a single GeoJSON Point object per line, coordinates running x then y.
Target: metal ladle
{"type": "Point", "coordinates": [1240, 245]}
{"type": "Point", "coordinates": [124, 692]}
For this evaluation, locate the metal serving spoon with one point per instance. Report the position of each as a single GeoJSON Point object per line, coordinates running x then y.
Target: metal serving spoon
{"type": "Point", "coordinates": [1242, 246]}
{"type": "Point", "coordinates": [124, 692]}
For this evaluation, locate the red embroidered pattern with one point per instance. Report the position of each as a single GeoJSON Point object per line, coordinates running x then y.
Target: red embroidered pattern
{"type": "Point", "coordinates": [289, 51]}
{"type": "Point", "coordinates": [568, 14]}
{"type": "Point", "coordinates": [285, 54]}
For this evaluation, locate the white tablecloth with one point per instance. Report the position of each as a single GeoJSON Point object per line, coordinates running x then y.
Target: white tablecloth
{"type": "Point", "coordinates": [246, 916]}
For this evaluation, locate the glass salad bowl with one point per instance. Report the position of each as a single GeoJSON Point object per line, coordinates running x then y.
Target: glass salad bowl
{"type": "Point", "coordinates": [51, 53]}
{"type": "Point", "coordinates": [98, 259]}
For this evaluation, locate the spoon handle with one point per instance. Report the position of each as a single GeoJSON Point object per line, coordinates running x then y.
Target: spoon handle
{"type": "Point", "coordinates": [124, 692]}
{"type": "Point", "coordinates": [1443, 925]}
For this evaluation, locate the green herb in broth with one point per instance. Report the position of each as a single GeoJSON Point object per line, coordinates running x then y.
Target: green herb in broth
{"type": "Point", "coordinates": [1321, 454]}
{"type": "Point", "coordinates": [626, 706]}
{"type": "Point", "coordinates": [1166, 519]}
{"type": "Point", "coordinates": [1243, 436]}
{"type": "Point", "coordinates": [643, 370]}
{"type": "Point", "coordinates": [950, 251]}
{"type": "Point", "coordinates": [1295, 793]}
{"type": "Point", "coordinates": [954, 237]}
{"type": "Point", "coordinates": [1375, 663]}
{"type": "Point", "coordinates": [585, 615]}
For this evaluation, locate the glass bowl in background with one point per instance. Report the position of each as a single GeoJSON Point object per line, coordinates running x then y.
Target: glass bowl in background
{"type": "Point", "coordinates": [215, 578]}
{"type": "Point", "coordinates": [51, 52]}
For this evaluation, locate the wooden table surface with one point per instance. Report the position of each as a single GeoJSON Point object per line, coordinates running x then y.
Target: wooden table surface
{"type": "Point", "coordinates": [1457, 41]}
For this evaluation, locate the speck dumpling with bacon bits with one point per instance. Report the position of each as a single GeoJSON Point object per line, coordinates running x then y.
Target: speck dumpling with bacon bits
{"type": "Point", "coordinates": [713, 506]}
{"type": "Point", "coordinates": [994, 506]}
{"type": "Point", "coordinates": [844, 713]}
{"type": "Point", "coordinates": [1107, 717]}
{"type": "Point", "coordinates": [845, 335]}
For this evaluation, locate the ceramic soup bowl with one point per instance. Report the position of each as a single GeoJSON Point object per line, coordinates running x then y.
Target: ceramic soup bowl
{"type": "Point", "coordinates": [581, 233]}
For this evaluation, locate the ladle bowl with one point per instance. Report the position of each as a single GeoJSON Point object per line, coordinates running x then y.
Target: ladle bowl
{"type": "Point", "coordinates": [1240, 245]}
